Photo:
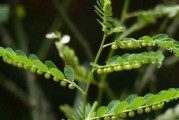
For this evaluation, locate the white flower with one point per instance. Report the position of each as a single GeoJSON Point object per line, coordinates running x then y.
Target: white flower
{"type": "Point", "coordinates": [65, 39]}
{"type": "Point", "coordinates": [51, 36]}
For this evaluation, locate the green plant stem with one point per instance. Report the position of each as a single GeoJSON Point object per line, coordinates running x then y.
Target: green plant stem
{"type": "Point", "coordinates": [124, 10]}
{"type": "Point", "coordinates": [91, 75]}
{"type": "Point", "coordinates": [82, 41]}
{"type": "Point", "coordinates": [102, 83]}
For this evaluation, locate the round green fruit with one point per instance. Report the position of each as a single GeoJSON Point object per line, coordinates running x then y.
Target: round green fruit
{"type": "Point", "coordinates": [55, 79]}
{"type": "Point", "coordinates": [71, 86]}
{"type": "Point", "coordinates": [109, 69]}
{"type": "Point", "coordinates": [114, 46]}
{"type": "Point", "coordinates": [63, 83]}
{"type": "Point", "coordinates": [39, 72]}
{"type": "Point", "coordinates": [26, 67]}
{"type": "Point", "coordinates": [47, 75]}
{"type": "Point", "coordinates": [100, 71]}
{"type": "Point", "coordinates": [20, 65]}
{"type": "Point", "coordinates": [154, 107]}
{"type": "Point", "coordinates": [148, 109]}
{"type": "Point", "coordinates": [127, 67]}
{"type": "Point", "coordinates": [136, 65]}
{"type": "Point", "coordinates": [33, 69]}
{"type": "Point", "coordinates": [106, 118]}
{"type": "Point", "coordinates": [140, 111]}
{"type": "Point", "coordinates": [131, 114]}
{"type": "Point", "coordinates": [123, 115]}
{"type": "Point", "coordinates": [9, 61]}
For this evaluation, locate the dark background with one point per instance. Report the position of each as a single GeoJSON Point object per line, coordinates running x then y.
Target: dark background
{"type": "Point", "coordinates": [39, 15]}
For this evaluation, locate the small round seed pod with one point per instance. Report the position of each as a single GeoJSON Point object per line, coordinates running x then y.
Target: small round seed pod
{"type": "Point", "coordinates": [130, 45]}
{"type": "Point", "coordinates": [105, 70]}
{"type": "Point", "coordinates": [160, 106]}
{"type": "Point", "coordinates": [47, 75]}
{"type": "Point", "coordinates": [109, 69]}
{"type": "Point", "coordinates": [20, 65]}
{"type": "Point", "coordinates": [123, 115]}
{"type": "Point", "coordinates": [147, 109]}
{"type": "Point", "coordinates": [113, 118]}
{"type": "Point", "coordinates": [14, 63]}
{"type": "Point", "coordinates": [127, 67]}
{"type": "Point", "coordinates": [26, 67]}
{"type": "Point", "coordinates": [150, 44]}
{"type": "Point", "coordinates": [33, 69]}
{"type": "Point", "coordinates": [71, 86]}
{"type": "Point", "coordinates": [153, 44]}
{"type": "Point", "coordinates": [114, 46]}
{"type": "Point", "coordinates": [39, 72]}
{"type": "Point", "coordinates": [154, 107]}
{"type": "Point", "coordinates": [131, 114]}
{"type": "Point", "coordinates": [5, 59]}
{"type": "Point", "coordinates": [9, 61]}
{"type": "Point", "coordinates": [136, 65]}
{"type": "Point", "coordinates": [140, 111]}
{"type": "Point", "coordinates": [63, 83]}
{"type": "Point", "coordinates": [100, 71]}
{"type": "Point", "coordinates": [106, 118]}
{"type": "Point", "coordinates": [144, 44]}
{"type": "Point", "coordinates": [56, 79]}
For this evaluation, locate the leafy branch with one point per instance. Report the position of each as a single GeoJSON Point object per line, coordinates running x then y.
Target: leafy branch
{"type": "Point", "coordinates": [160, 40]}
{"type": "Point", "coordinates": [135, 104]}
{"type": "Point", "coordinates": [104, 11]}
{"type": "Point", "coordinates": [129, 61]}
{"type": "Point", "coordinates": [49, 69]}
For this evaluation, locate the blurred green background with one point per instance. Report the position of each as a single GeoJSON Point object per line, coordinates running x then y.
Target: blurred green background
{"type": "Point", "coordinates": [24, 24]}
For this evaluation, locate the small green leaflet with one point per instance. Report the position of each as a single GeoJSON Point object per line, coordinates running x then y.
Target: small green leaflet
{"type": "Point", "coordinates": [69, 73]}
